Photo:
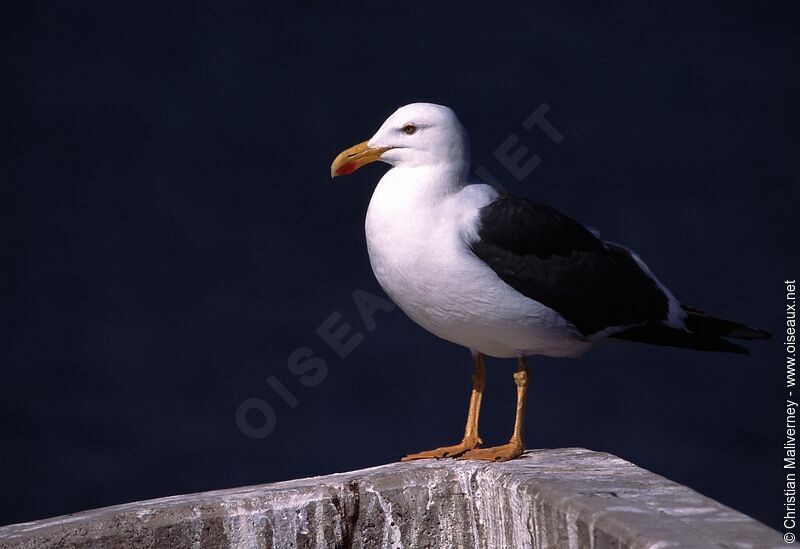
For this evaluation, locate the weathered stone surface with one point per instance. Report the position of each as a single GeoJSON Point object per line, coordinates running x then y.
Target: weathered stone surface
{"type": "Point", "coordinates": [548, 498]}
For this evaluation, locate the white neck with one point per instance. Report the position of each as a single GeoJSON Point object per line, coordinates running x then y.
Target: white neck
{"type": "Point", "coordinates": [424, 183]}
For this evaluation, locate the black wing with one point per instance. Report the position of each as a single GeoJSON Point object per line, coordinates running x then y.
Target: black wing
{"type": "Point", "coordinates": [548, 257]}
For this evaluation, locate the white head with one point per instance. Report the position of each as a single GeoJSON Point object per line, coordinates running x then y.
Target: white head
{"type": "Point", "coordinates": [417, 135]}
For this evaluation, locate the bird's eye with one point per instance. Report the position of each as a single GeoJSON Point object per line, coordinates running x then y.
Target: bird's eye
{"type": "Point", "coordinates": [409, 129]}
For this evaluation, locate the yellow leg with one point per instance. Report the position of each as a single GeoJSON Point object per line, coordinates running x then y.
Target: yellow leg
{"type": "Point", "coordinates": [516, 445]}
{"type": "Point", "coordinates": [471, 438]}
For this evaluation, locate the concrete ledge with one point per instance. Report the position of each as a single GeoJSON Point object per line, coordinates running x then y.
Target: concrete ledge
{"type": "Point", "coordinates": [548, 498]}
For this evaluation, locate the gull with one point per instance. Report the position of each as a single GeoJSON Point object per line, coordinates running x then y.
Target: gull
{"type": "Point", "coordinates": [501, 275]}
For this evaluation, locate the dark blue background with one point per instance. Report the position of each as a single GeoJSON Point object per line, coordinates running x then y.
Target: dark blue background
{"type": "Point", "coordinates": [170, 234]}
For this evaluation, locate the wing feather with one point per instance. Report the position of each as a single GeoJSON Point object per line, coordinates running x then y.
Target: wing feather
{"type": "Point", "coordinates": [549, 257]}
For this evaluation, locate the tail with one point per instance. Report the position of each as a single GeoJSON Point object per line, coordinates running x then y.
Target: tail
{"type": "Point", "coordinates": [702, 323]}
{"type": "Point", "coordinates": [703, 333]}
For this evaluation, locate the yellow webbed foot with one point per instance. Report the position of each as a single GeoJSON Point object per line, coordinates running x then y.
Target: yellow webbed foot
{"type": "Point", "coordinates": [456, 450]}
{"type": "Point", "coordinates": [505, 452]}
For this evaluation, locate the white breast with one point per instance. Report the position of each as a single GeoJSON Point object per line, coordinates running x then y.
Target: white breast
{"type": "Point", "coordinates": [418, 233]}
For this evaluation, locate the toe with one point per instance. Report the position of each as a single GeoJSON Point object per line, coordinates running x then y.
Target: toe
{"type": "Point", "coordinates": [444, 452]}
{"type": "Point", "coordinates": [498, 453]}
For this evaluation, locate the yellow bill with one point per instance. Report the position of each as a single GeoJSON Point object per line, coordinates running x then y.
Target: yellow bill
{"type": "Point", "coordinates": [349, 160]}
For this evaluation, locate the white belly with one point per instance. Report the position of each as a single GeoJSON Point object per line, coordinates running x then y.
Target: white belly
{"type": "Point", "coordinates": [418, 248]}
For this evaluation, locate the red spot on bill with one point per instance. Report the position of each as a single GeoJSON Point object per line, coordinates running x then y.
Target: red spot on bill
{"type": "Point", "coordinates": [346, 169]}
